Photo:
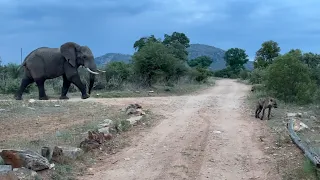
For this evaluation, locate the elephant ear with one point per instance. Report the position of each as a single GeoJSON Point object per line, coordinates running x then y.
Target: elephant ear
{"type": "Point", "coordinates": [68, 51]}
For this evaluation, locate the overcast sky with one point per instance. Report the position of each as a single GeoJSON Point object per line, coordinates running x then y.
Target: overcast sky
{"type": "Point", "coordinates": [113, 25]}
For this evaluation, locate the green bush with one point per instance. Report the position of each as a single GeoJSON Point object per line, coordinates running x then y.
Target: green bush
{"type": "Point", "coordinates": [290, 80]}
{"type": "Point", "coordinates": [199, 74]}
{"type": "Point", "coordinates": [257, 76]}
{"type": "Point", "coordinates": [244, 74]}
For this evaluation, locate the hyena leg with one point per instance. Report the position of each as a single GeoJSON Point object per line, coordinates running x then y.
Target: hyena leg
{"type": "Point", "coordinates": [263, 109]}
{"type": "Point", "coordinates": [258, 110]}
{"type": "Point", "coordinates": [269, 113]}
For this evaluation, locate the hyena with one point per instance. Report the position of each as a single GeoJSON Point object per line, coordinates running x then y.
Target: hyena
{"type": "Point", "coordinates": [264, 103]}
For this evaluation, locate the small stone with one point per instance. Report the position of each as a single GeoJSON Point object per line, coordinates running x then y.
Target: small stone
{"type": "Point", "coordinates": [32, 100]}
{"type": "Point", "coordinates": [133, 120]}
{"type": "Point", "coordinates": [217, 132]}
{"type": "Point", "coordinates": [313, 118]}
{"type": "Point", "coordinates": [56, 105]}
{"type": "Point", "coordinates": [104, 130]}
{"type": "Point", "coordinates": [127, 159]}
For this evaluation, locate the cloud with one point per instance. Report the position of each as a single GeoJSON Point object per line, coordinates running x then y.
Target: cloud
{"type": "Point", "coordinates": [114, 25]}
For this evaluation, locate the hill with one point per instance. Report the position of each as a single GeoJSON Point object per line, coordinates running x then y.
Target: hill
{"type": "Point", "coordinates": [217, 54]}
{"type": "Point", "coordinates": [195, 50]}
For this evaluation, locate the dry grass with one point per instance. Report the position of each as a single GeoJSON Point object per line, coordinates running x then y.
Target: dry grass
{"type": "Point", "coordinates": [43, 123]}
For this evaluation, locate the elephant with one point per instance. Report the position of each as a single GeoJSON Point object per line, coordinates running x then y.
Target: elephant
{"type": "Point", "coordinates": [47, 63]}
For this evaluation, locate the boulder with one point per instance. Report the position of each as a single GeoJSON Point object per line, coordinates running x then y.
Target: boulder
{"type": "Point", "coordinates": [62, 153]}
{"type": "Point", "coordinates": [25, 158]}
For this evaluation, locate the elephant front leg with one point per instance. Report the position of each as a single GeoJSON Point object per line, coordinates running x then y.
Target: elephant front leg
{"type": "Point", "coordinates": [77, 82]}
{"type": "Point", "coordinates": [42, 93]}
{"type": "Point", "coordinates": [65, 88]}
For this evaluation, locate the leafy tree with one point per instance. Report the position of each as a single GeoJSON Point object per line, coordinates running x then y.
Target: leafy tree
{"type": "Point", "coordinates": [177, 42]}
{"type": "Point", "coordinates": [266, 54]}
{"type": "Point", "coordinates": [289, 79]}
{"type": "Point", "coordinates": [176, 36]}
{"type": "Point", "coordinates": [143, 41]}
{"type": "Point", "coordinates": [311, 59]}
{"type": "Point", "coordinates": [154, 61]}
{"type": "Point", "coordinates": [201, 61]}
{"type": "Point", "coordinates": [236, 58]}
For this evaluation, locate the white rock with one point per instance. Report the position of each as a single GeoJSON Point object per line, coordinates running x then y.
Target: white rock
{"type": "Point", "coordinates": [104, 130]}
{"type": "Point", "coordinates": [134, 119]}
{"type": "Point", "coordinates": [32, 100]}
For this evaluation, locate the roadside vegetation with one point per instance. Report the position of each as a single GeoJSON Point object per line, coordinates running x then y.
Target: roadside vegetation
{"type": "Point", "coordinates": [293, 78]}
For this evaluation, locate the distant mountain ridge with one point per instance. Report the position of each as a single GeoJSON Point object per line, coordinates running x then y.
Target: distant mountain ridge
{"type": "Point", "coordinates": [195, 50]}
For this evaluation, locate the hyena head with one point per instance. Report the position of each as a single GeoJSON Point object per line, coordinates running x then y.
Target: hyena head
{"type": "Point", "coordinates": [272, 103]}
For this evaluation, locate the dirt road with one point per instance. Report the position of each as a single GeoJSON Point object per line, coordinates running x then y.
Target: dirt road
{"type": "Point", "coordinates": [210, 135]}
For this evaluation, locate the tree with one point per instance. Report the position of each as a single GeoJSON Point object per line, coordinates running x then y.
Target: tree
{"type": "Point", "coordinates": [236, 58]}
{"type": "Point", "coordinates": [201, 61]}
{"type": "Point", "coordinates": [176, 36]}
{"type": "Point", "coordinates": [266, 54]}
{"type": "Point", "coordinates": [142, 42]}
{"type": "Point", "coordinates": [177, 42]}
{"type": "Point", "coordinates": [289, 79]}
{"type": "Point", "coordinates": [155, 61]}
{"type": "Point", "coordinates": [312, 60]}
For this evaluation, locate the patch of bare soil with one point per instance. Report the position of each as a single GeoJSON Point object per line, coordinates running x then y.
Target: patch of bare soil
{"type": "Point", "coordinates": [208, 135]}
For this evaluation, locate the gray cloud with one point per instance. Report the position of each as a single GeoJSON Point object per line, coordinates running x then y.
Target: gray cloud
{"type": "Point", "coordinates": [113, 26]}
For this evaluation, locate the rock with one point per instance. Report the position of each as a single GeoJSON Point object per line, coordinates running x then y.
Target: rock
{"type": "Point", "coordinates": [5, 168]}
{"type": "Point", "coordinates": [94, 140]}
{"type": "Point", "coordinates": [298, 125]}
{"type": "Point", "coordinates": [104, 130]}
{"type": "Point", "coordinates": [133, 120]}
{"type": "Point", "coordinates": [25, 158]}
{"type": "Point", "coordinates": [56, 105]}
{"type": "Point", "coordinates": [216, 132]}
{"type": "Point", "coordinates": [66, 152]}
{"type": "Point", "coordinates": [8, 175]}
{"type": "Point", "coordinates": [2, 110]}
{"type": "Point", "coordinates": [290, 115]}
{"type": "Point", "coordinates": [106, 123]}
{"type": "Point", "coordinates": [25, 174]}
{"type": "Point", "coordinates": [32, 100]}
{"type": "Point", "coordinates": [313, 118]}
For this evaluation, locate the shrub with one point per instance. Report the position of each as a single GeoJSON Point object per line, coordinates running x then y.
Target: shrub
{"type": "Point", "coordinates": [244, 74]}
{"type": "Point", "coordinates": [290, 79]}
{"type": "Point", "coordinates": [257, 76]}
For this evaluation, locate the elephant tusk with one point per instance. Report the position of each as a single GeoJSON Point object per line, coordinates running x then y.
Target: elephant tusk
{"type": "Point", "coordinates": [101, 70]}
{"type": "Point", "coordinates": [91, 71]}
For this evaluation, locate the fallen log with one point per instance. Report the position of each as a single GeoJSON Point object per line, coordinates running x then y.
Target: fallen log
{"type": "Point", "coordinates": [314, 158]}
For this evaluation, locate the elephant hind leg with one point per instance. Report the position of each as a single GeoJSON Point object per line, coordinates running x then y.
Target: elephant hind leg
{"type": "Point", "coordinates": [25, 82]}
{"type": "Point", "coordinates": [65, 87]}
{"type": "Point", "coordinates": [42, 93]}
